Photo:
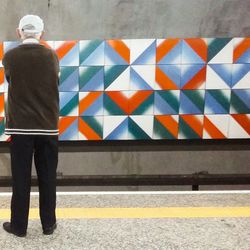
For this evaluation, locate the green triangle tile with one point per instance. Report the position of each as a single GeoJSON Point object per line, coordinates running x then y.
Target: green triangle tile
{"type": "Point", "coordinates": [162, 131]}
{"type": "Point", "coordinates": [216, 46]}
{"type": "Point", "coordinates": [142, 108]}
{"type": "Point", "coordinates": [88, 50]}
{"type": "Point", "coordinates": [111, 107]}
{"type": "Point", "coordinates": [136, 130]}
{"type": "Point", "coordinates": [93, 123]}
{"type": "Point", "coordinates": [112, 72]}
{"type": "Point", "coordinates": [188, 132]}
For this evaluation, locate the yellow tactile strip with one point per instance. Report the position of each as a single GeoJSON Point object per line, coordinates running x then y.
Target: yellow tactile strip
{"type": "Point", "coordinates": [139, 212]}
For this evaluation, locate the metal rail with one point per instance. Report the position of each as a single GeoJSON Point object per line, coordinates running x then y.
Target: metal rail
{"type": "Point", "coordinates": [195, 180]}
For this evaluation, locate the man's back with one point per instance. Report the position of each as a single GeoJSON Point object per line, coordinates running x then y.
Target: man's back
{"type": "Point", "coordinates": [33, 98]}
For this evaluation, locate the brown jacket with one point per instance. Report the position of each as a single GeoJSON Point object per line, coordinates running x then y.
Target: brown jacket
{"type": "Point", "coordinates": [33, 96]}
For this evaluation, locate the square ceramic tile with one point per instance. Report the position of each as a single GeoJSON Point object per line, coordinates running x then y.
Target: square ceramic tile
{"type": "Point", "coordinates": [239, 126]}
{"type": "Point", "coordinates": [90, 103]}
{"type": "Point", "coordinates": [68, 128]}
{"type": "Point", "coordinates": [92, 52]}
{"type": "Point", "coordinates": [166, 102]}
{"type": "Point", "coordinates": [192, 101]}
{"type": "Point", "coordinates": [166, 127]}
{"type": "Point", "coordinates": [167, 77]}
{"type": "Point", "coordinates": [241, 52]}
{"type": "Point", "coordinates": [241, 76]}
{"type": "Point", "coordinates": [190, 127]}
{"type": "Point", "coordinates": [219, 76]}
{"type": "Point", "coordinates": [141, 102]}
{"type": "Point", "coordinates": [217, 101]}
{"type": "Point", "coordinates": [140, 127]}
{"type": "Point", "coordinates": [68, 103]}
{"type": "Point", "coordinates": [116, 77]}
{"type": "Point", "coordinates": [216, 126]}
{"type": "Point", "coordinates": [67, 52]}
{"type": "Point", "coordinates": [240, 101]}
{"type": "Point", "coordinates": [168, 51]}
{"type": "Point", "coordinates": [142, 51]}
{"type": "Point", "coordinates": [90, 127]}
{"type": "Point", "coordinates": [193, 76]}
{"type": "Point", "coordinates": [117, 52]}
{"type": "Point", "coordinates": [69, 79]}
{"type": "Point", "coordinates": [116, 102]}
{"type": "Point", "coordinates": [115, 127]}
{"type": "Point", "coordinates": [194, 51]}
{"type": "Point", "coordinates": [220, 50]}
{"type": "Point", "coordinates": [91, 78]}
{"type": "Point", "coordinates": [142, 77]}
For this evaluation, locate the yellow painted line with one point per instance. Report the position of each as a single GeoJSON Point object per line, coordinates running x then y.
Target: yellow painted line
{"type": "Point", "coordinates": [139, 212]}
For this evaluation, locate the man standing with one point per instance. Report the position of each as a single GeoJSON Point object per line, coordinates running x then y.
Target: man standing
{"type": "Point", "coordinates": [32, 115]}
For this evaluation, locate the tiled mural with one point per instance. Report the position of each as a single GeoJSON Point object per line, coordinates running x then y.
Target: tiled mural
{"type": "Point", "coordinates": [150, 89]}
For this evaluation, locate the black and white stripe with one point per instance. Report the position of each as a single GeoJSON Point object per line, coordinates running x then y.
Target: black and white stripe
{"type": "Point", "coordinates": [10, 131]}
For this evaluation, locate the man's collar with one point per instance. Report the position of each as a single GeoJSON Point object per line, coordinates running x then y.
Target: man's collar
{"type": "Point", "coordinates": [30, 40]}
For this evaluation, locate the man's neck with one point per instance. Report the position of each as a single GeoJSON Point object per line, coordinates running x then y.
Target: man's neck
{"type": "Point", "coordinates": [30, 40]}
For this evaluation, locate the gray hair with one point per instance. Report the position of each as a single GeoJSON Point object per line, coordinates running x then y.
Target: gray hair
{"type": "Point", "coordinates": [30, 35]}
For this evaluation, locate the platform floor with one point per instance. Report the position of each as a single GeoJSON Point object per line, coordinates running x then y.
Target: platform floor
{"type": "Point", "coordinates": [138, 220]}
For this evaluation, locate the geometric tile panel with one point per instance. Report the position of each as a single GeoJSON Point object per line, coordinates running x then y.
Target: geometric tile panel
{"type": "Point", "coordinates": [149, 89]}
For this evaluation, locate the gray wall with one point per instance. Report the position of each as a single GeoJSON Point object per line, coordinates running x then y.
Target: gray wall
{"type": "Point", "coordinates": [88, 19]}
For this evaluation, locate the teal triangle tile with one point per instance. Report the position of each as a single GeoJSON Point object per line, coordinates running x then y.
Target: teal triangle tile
{"type": "Point", "coordinates": [110, 107]}
{"type": "Point", "coordinates": [94, 124]}
{"type": "Point", "coordinates": [161, 131]}
{"type": "Point", "coordinates": [166, 102]}
{"type": "Point", "coordinates": [137, 131]}
{"type": "Point", "coordinates": [69, 106]}
{"type": "Point", "coordinates": [89, 52]}
{"type": "Point", "coordinates": [69, 79]}
{"type": "Point", "coordinates": [217, 101]}
{"type": "Point", "coordinates": [91, 78]}
{"type": "Point", "coordinates": [186, 130]}
{"type": "Point", "coordinates": [192, 102]}
{"type": "Point", "coordinates": [144, 106]}
{"type": "Point", "coordinates": [216, 46]}
{"type": "Point", "coordinates": [240, 101]}
{"type": "Point", "coordinates": [112, 72]}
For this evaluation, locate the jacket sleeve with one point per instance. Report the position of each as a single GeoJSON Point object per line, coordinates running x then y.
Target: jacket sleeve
{"type": "Point", "coordinates": [57, 65]}
{"type": "Point", "coordinates": [6, 68]}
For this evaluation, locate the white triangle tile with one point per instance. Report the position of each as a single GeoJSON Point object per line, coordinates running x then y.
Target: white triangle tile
{"type": "Point", "coordinates": [225, 55]}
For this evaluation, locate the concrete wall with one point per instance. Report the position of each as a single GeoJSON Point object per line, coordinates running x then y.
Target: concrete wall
{"type": "Point", "coordinates": [88, 19]}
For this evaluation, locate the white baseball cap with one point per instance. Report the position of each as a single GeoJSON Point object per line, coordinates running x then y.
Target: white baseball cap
{"type": "Point", "coordinates": [31, 24]}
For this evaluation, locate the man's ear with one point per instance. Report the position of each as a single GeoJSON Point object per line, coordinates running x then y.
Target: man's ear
{"type": "Point", "coordinates": [41, 37]}
{"type": "Point", "coordinates": [18, 33]}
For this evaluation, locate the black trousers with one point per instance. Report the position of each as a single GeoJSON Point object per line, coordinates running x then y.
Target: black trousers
{"type": "Point", "coordinates": [45, 150]}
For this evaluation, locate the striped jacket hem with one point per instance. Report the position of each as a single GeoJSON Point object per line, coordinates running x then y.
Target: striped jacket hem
{"type": "Point", "coordinates": [11, 131]}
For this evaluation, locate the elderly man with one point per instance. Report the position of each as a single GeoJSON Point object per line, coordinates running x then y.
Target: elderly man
{"type": "Point", "coordinates": [32, 71]}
